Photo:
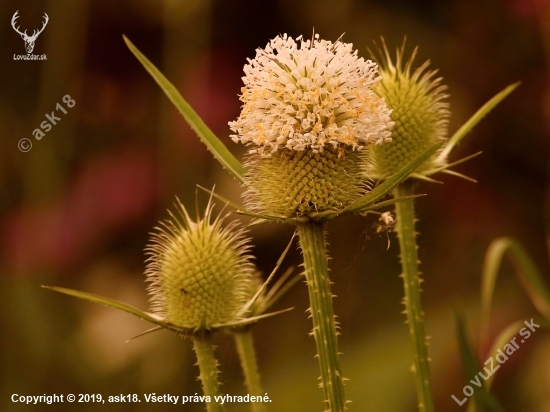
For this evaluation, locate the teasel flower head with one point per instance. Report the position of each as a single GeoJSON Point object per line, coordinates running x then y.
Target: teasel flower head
{"type": "Point", "coordinates": [308, 110]}
{"type": "Point", "coordinates": [200, 271]}
{"type": "Point", "coordinates": [416, 97]}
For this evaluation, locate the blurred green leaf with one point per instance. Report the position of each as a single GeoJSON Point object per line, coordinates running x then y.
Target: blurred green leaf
{"type": "Point", "coordinates": [218, 149]}
{"type": "Point", "coordinates": [526, 270]}
{"type": "Point", "coordinates": [474, 120]}
{"type": "Point", "coordinates": [502, 339]}
{"type": "Point", "coordinates": [483, 401]}
{"type": "Point", "coordinates": [384, 188]}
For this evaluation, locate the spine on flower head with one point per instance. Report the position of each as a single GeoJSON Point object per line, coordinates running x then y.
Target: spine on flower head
{"type": "Point", "coordinates": [416, 98]}
{"type": "Point", "coordinates": [199, 271]}
{"type": "Point", "coordinates": [308, 109]}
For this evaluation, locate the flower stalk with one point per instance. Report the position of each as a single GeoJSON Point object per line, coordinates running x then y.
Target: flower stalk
{"type": "Point", "coordinates": [245, 348]}
{"type": "Point", "coordinates": [208, 365]}
{"type": "Point", "coordinates": [406, 234]}
{"type": "Point", "coordinates": [313, 245]}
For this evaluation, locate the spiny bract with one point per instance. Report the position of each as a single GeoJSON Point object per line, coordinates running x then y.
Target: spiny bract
{"type": "Point", "coordinates": [418, 111]}
{"type": "Point", "coordinates": [199, 271]}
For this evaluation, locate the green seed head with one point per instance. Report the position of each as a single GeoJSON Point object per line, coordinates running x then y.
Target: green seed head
{"type": "Point", "coordinates": [294, 183]}
{"type": "Point", "coordinates": [419, 114]}
{"type": "Point", "coordinates": [199, 271]}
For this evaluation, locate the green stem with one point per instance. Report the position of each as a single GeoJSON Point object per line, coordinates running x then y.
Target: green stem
{"type": "Point", "coordinates": [405, 219]}
{"type": "Point", "coordinates": [245, 348]}
{"type": "Point", "coordinates": [312, 242]}
{"type": "Point", "coordinates": [208, 365]}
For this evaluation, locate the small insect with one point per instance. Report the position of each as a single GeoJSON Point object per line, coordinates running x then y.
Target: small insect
{"type": "Point", "coordinates": [387, 218]}
{"type": "Point", "coordinates": [386, 225]}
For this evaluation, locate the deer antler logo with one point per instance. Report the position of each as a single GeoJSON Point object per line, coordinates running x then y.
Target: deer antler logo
{"type": "Point", "coordinates": [29, 40]}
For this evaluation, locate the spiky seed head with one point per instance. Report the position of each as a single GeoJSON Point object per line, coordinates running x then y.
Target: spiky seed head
{"type": "Point", "coordinates": [199, 271]}
{"type": "Point", "coordinates": [416, 98]}
{"type": "Point", "coordinates": [294, 183]}
{"type": "Point", "coordinates": [308, 109]}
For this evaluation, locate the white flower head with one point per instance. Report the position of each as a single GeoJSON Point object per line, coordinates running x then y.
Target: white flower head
{"type": "Point", "coordinates": [310, 94]}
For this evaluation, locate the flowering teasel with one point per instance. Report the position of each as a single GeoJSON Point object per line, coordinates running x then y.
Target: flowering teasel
{"type": "Point", "coordinates": [416, 98]}
{"type": "Point", "coordinates": [308, 110]}
{"type": "Point", "coordinates": [200, 272]}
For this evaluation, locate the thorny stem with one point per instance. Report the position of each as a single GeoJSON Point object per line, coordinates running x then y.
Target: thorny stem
{"type": "Point", "coordinates": [312, 243]}
{"type": "Point", "coordinates": [245, 348]}
{"type": "Point", "coordinates": [405, 219]}
{"type": "Point", "coordinates": [208, 366]}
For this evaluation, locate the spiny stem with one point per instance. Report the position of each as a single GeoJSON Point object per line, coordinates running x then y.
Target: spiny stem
{"type": "Point", "coordinates": [312, 242]}
{"type": "Point", "coordinates": [208, 366]}
{"type": "Point", "coordinates": [405, 219]}
{"type": "Point", "coordinates": [245, 348]}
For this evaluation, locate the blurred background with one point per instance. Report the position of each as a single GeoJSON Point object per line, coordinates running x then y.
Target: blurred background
{"type": "Point", "coordinates": [76, 210]}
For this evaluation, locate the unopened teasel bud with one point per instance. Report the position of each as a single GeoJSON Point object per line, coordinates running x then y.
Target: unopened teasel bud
{"type": "Point", "coordinates": [199, 271]}
{"type": "Point", "coordinates": [418, 110]}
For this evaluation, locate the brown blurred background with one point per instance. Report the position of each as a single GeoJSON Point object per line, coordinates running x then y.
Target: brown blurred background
{"type": "Point", "coordinates": [75, 211]}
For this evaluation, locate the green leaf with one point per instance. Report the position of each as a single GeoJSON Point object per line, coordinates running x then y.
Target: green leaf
{"type": "Point", "coordinates": [482, 399]}
{"type": "Point", "coordinates": [474, 120]}
{"type": "Point", "coordinates": [218, 149]}
{"type": "Point", "coordinates": [502, 339]}
{"type": "Point", "coordinates": [526, 270]}
{"type": "Point", "coordinates": [149, 317]}
{"type": "Point", "coordinates": [384, 188]}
